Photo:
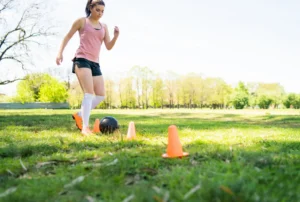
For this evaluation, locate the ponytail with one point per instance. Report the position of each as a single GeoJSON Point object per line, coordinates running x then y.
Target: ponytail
{"type": "Point", "coordinates": [90, 4]}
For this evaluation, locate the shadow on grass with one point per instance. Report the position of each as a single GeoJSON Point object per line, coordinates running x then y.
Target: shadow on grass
{"type": "Point", "coordinates": [279, 151]}
{"type": "Point", "coordinates": [140, 167]}
{"type": "Point", "coordinates": [155, 124]}
{"type": "Point", "coordinates": [13, 151]}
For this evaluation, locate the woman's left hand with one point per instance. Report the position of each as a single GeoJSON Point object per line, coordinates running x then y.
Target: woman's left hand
{"type": "Point", "coordinates": [116, 31]}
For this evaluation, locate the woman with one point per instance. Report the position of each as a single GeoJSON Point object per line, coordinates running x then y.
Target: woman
{"type": "Point", "coordinates": [86, 61]}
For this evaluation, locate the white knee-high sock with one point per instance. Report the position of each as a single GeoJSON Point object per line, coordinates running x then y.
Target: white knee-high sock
{"type": "Point", "coordinates": [86, 109]}
{"type": "Point", "coordinates": [97, 99]}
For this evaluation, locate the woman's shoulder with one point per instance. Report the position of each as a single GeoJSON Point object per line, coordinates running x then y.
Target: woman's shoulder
{"type": "Point", "coordinates": [80, 20]}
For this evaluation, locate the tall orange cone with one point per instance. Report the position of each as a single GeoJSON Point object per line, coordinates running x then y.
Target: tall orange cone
{"type": "Point", "coordinates": [131, 131]}
{"type": "Point", "coordinates": [174, 148]}
{"type": "Point", "coordinates": [96, 126]}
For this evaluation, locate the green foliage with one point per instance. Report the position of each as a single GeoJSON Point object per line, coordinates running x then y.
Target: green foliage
{"type": "Point", "coordinates": [174, 90]}
{"type": "Point", "coordinates": [273, 91]}
{"type": "Point", "coordinates": [53, 91]}
{"type": "Point", "coordinates": [219, 92]}
{"type": "Point", "coordinates": [240, 96]}
{"type": "Point", "coordinates": [264, 101]}
{"type": "Point", "coordinates": [292, 100]}
{"type": "Point", "coordinates": [252, 101]}
{"type": "Point", "coordinates": [142, 77]}
{"type": "Point", "coordinates": [40, 87]}
{"type": "Point", "coordinates": [157, 96]}
{"type": "Point", "coordinates": [126, 93]}
{"type": "Point", "coordinates": [141, 88]}
{"type": "Point", "coordinates": [24, 92]}
{"type": "Point", "coordinates": [239, 100]}
{"type": "Point", "coordinates": [190, 89]}
{"type": "Point", "coordinates": [242, 88]}
{"type": "Point", "coordinates": [35, 81]}
{"type": "Point", "coordinates": [109, 100]}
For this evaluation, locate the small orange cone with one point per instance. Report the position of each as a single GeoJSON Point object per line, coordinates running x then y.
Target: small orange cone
{"type": "Point", "coordinates": [131, 131]}
{"type": "Point", "coordinates": [174, 148]}
{"type": "Point", "coordinates": [96, 126]}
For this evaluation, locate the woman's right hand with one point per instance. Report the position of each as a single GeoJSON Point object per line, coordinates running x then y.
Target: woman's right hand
{"type": "Point", "coordinates": [59, 59]}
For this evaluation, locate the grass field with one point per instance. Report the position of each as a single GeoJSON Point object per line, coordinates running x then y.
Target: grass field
{"type": "Point", "coordinates": [247, 155]}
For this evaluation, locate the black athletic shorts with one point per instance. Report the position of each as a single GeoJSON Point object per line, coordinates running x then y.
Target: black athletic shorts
{"type": "Point", "coordinates": [84, 63]}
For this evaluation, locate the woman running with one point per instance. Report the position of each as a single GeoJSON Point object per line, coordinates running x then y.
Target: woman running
{"type": "Point", "coordinates": [86, 66]}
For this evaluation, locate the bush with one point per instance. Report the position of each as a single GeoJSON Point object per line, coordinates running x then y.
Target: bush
{"type": "Point", "coordinates": [24, 92]}
{"type": "Point", "coordinates": [40, 87]}
{"type": "Point", "coordinates": [240, 100]}
{"type": "Point", "coordinates": [292, 100]}
{"type": "Point", "coordinates": [53, 91]}
{"type": "Point", "coordinates": [264, 101]}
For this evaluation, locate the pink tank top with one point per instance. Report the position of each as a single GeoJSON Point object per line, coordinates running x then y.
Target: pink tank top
{"type": "Point", "coordinates": [90, 42]}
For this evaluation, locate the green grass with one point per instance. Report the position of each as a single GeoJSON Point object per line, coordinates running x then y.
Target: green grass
{"type": "Point", "coordinates": [247, 155]}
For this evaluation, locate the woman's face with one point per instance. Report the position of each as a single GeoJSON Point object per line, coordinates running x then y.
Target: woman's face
{"type": "Point", "coordinates": [97, 11]}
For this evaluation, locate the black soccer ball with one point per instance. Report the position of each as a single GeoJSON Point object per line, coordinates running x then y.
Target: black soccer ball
{"type": "Point", "coordinates": [108, 125]}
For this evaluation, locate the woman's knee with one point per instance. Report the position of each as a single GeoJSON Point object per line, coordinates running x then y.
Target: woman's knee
{"type": "Point", "coordinates": [100, 94]}
{"type": "Point", "coordinates": [89, 91]}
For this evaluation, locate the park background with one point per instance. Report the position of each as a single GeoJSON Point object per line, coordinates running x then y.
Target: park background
{"type": "Point", "coordinates": [225, 73]}
{"type": "Point", "coordinates": [170, 54]}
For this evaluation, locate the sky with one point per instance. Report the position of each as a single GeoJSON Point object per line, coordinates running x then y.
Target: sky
{"type": "Point", "coordinates": [249, 41]}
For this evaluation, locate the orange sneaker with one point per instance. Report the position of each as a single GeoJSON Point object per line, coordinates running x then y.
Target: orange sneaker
{"type": "Point", "coordinates": [86, 132]}
{"type": "Point", "coordinates": [78, 120]}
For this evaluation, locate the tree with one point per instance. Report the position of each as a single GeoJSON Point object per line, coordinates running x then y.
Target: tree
{"type": "Point", "coordinates": [172, 85]}
{"type": "Point", "coordinates": [109, 91]}
{"type": "Point", "coordinates": [53, 91]}
{"type": "Point", "coordinates": [242, 88]}
{"type": "Point", "coordinates": [126, 93]}
{"type": "Point", "coordinates": [217, 92]}
{"type": "Point", "coordinates": [35, 81]}
{"type": "Point", "coordinates": [190, 88]}
{"type": "Point", "coordinates": [147, 77]}
{"type": "Point", "coordinates": [178, 92]}
{"type": "Point", "coordinates": [240, 96]}
{"type": "Point", "coordinates": [264, 101]}
{"type": "Point", "coordinates": [41, 87]}
{"type": "Point", "coordinates": [292, 100]}
{"type": "Point", "coordinates": [28, 89]}
{"type": "Point", "coordinates": [142, 81]}
{"type": "Point", "coordinates": [252, 89]}
{"type": "Point", "coordinates": [157, 92]}
{"type": "Point", "coordinates": [24, 92]}
{"type": "Point", "coordinates": [25, 30]}
{"type": "Point", "coordinates": [274, 91]}
{"type": "Point", "coordinates": [136, 74]}
{"type": "Point", "coordinates": [239, 100]}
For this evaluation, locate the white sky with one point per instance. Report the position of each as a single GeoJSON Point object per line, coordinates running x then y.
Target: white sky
{"type": "Point", "coordinates": [249, 41]}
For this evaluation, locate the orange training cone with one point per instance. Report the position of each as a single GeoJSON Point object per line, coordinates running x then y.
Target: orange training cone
{"type": "Point", "coordinates": [174, 148]}
{"type": "Point", "coordinates": [131, 131]}
{"type": "Point", "coordinates": [96, 126]}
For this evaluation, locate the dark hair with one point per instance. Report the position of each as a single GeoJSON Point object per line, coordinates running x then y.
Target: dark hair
{"type": "Point", "coordinates": [90, 4]}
